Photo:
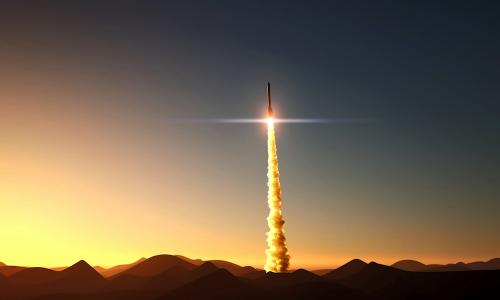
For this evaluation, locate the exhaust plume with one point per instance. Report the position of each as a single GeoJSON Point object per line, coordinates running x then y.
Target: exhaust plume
{"type": "Point", "coordinates": [277, 257]}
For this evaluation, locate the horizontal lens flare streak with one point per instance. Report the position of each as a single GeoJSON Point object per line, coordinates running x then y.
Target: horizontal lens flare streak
{"type": "Point", "coordinates": [275, 120]}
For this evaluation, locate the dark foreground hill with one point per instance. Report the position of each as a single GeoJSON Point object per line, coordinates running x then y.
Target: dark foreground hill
{"type": "Point", "coordinates": [166, 277]}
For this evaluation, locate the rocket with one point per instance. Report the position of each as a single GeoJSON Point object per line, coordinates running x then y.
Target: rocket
{"type": "Point", "coordinates": [269, 107]}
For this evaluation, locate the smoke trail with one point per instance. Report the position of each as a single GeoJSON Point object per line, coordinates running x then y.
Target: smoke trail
{"type": "Point", "coordinates": [277, 259]}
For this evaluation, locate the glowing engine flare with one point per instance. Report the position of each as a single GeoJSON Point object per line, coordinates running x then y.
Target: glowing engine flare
{"type": "Point", "coordinates": [277, 257]}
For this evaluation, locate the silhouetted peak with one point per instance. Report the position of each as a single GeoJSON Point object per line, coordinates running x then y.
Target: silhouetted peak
{"type": "Point", "coordinates": [158, 264]}
{"type": "Point", "coordinates": [164, 259]}
{"type": "Point", "coordinates": [305, 275]}
{"type": "Point", "coordinates": [346, 270]}
{"type": "Point", "coordinates": [301, 271]}
{"type": "Point", "coordinates": [2, 264]}
{"type": "Point", "coordinates": [355, 261]}
{"type": "Point", "coordinates": [80, 265]}
{"type": "Point", "coordinates": [409, 265]}
{"type": "Point", "coordinates": [81, 270]}
{"type": "Point", "coordinates": [161, 257]}
{"type": "Point", "coordinates": [353, 264]}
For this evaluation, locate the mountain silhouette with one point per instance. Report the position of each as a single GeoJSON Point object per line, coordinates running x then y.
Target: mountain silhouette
{"type": "Point", "coordinates": [254, 274]}
{"type": "Point", "coordinates": [203, 270]}
{"type": "Point", "coordinates": [416, 266]}
{"type": "Point", "coordinates": [80, 277]}
{"type": "Point", "coordinates": [125, 282]}
{"type": "Point", "coordinates": [375, 279]}
{"type": "Point", "coordinates": [233, 268]}
{"type": "Point", "coordinates": [108, 272]}
{"type": "Point", "coordinates": [409, 265]}
{"type": "Point", "coordinates": [300, 284]}
{"type": "Point", "coordinates": [168, 280]}
{"type": "Point", "coordinates": [492, 264]}
{"type": "Point", "coordinates": [2, 264]}
{"type": "Point", "coordinates": [81, 272]}
{"type": "Point", "coordinates": [219, 284]}
{"type": "Point", "coordinates": [384, 282]}
{"type": "Point", "coordinates": [288, 279]}
{"type": "Point", "coordinates": [321, 272]}
{"type": "Point", "coordinates": [446, 268]}
{"type": "Point", "coordinates": [157, 264]}
{"type": "Point", "coordinates": [9, 270]}
{"type": "Point", "coordinates": [34, 275]}
{"type": "Point", "coordinates": [196, 262]}
{"type": "Point", "coordinates": [30, 282]}
{"type": "Point", "coordinates": [346, 270]}
{"type": "Point", "coordinates": [171, 277]}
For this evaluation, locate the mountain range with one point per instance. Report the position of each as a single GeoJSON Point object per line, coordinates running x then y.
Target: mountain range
{"type": "Point", "coordinates": [177, 277]}
{"type": "Point", "coordinates": [416, 266]}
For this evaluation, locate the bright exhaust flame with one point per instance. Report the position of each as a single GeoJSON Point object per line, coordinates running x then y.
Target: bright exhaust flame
{"type": "Point", "coordinates": [277, 257]}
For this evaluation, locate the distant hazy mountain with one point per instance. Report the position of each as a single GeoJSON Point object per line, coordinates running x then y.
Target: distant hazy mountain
{"type": "Point", "coordinates": [492, 264]}
{"type": "Point", "coordinates": [157, 264]}
{"type": "Point", "coordinates": [33, 276]}
{"type": "Point", "coordinates": [416, 266]}
{"type": "Point", "coordinates": [233, 268]}
{"type": "Point", "coordinates": [409, 265]}
{"type": "Point", "coordinates": [108, 272]}
{"type": "Point", "coordinates": [9, 270]}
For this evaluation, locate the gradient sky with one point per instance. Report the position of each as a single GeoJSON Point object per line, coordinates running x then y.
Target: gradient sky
{"type": "Point", "coordinates": [95, 165]}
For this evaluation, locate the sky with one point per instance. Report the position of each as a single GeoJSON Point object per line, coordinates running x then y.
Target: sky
{"type": "Point", "coordinates": [99, 162]}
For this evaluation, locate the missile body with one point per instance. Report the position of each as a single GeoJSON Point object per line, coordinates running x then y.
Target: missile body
{"type": "Point", "coordinates": [269, 107]}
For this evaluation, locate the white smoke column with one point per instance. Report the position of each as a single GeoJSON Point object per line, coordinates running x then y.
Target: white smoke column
{"type": "Point", "coordinates": [277, 257]}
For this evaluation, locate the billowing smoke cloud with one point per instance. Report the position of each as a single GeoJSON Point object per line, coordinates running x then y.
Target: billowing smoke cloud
{"type": "Point", "coordinates": [277, 259]}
